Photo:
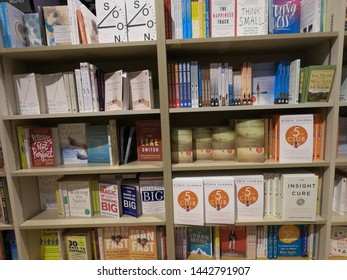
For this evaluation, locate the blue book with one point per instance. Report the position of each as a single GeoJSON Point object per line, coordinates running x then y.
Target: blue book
{"type": "Point", "coordinates": [290, 240]}
{"type": "Point", "coordinates": [207, 18]}
{"type": "Point", "coordinates": [278, 83]}
{"type": "Point", "coordinates": [200, 241]}
{"type": "Point", "coordinates": [284, 16]}
{"type": "Point", "coordinates": [189, 31]}
{"type": "Point", "coordinates": [98, 144]}
{"type": "Point", "coordinates": [188, 84]}
{"type": "Point", "coordinates": [131, 199]}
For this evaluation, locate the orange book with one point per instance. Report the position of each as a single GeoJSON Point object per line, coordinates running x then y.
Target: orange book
{"type": "Point", "coordinates": [81, 27]}
{"type": "Point", "coordinates": [116, 243]}
{"type": "Point", "coordinates": [318, 131]}
{"type": "Point", "coordinates": [143, 242]}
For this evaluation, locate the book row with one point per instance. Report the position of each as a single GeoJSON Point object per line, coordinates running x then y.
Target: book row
{"type": "Point", "coordinates": [105, 195]}
{"type": "Point", "coordinates": [8, 246]}
{"type": "Point", "coordinates": [82, 143]}
{"type": "Point", "coordinates": [86, 89]}
{"type": "Point", "coordinates": [282, 138]}
{"type": "Point", "coordinates": [193, 85]}
{"type": "Point", "coordinates": [108, 243]}
{"type": "Point", "coordinates": [207, 18]}
{"type": "Point", "coordinates": [74, 23]}
{"type": "Point", "coordinates": [290, 195]}
{"type": "Point", "coordinates": [246, 242]}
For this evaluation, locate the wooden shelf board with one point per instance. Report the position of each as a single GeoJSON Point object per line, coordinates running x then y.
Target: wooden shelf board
{"type": "Point", "coordinates": [6, 226]}
{"type": "Point", "coordinates": [338, 220]}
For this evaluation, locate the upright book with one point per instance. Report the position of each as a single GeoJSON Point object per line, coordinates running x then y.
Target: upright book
{"type": "Point", "coordinates": [222, 15]}
{"type": "Point", "coordinates": [148, 140]}
{"type": "Point", "coordinates": [141, 90]}
{"type": "Point", "coordinates": [199, 242]}
{"type": "Point", "coordinates": [143, 243]}
{"type": "Point", "coordinates": [98, 144]}
{"type": "Point", "coordinates": [115, 242]}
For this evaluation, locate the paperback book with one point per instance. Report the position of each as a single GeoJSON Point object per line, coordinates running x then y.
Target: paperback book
{"type": "Point", "coordinates": [181, 145]}
{"type": "Point", "coordinates": [143, 243]}
{"type": "Point", "coordinates": [131, 198]}
{"type": "Point", "coordinates": [199, 242]}
{"type": "Point", "coordinates": [148, 139]}
{"type": "Point", "coordinates": [233, 242]}
{"type": "Point", "coordinates": [115, 243]}
{"type": "Point", "coordinates": [110, 197]}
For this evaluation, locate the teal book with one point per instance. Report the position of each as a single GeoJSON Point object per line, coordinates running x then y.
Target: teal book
{"type": "Point", "coordinates": [98, 144]}
{"type": "Point", "coordinates": [200, 241]}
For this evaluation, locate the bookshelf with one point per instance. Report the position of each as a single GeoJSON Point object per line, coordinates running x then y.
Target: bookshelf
{"type": "Point", "coordinates": [312, 48]}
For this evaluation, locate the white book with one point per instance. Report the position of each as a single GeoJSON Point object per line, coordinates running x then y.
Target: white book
{"type": "Point", "coordinates": [90, 24]}
{"type": "Point", "coordinates": [343, 88]}
{"type": "Point", "coordinates": [29, 94]}
{"type": "Point", "coordinates": [48, 199]}
{"type": "Point", "coordinates": [86, 87]}
{"type": "Point", "coordinates": [188, 200]}
{"type": "Point", "coordinates": [55, 91]}
{"type": "Point", "coordinates": [251, 17]}
{"type": "Point", "coordinates": [294, 81]}
{"type": "Point", "coordinates": [176, 13]}
{"type": "Point", "coordinates": [340, 195]}
{"type": "Point", "coordinates": [310, 16]}
{"type": "Point", "coordinates": [111, 28]}
{"type": "Point", "coordinates": [94, 87]}
{"type": "Point", "coordinates": [116, 91]}
{"type": "Point", "coordinates": [67, 90]}
{"type": "Point", "coordinates": [79, 90]}
{"type": "Point", "coordinates": [110, 197]}
{"type": "Point", "coordinates": [222, 18]}
{"type": "Point", "coordinates": [74, 5]}
{"type": "Point", "coordinates": [141, 90]}
{"type": "Point", "coordinates": [73, 91]}
{"type": "Point", "coordinates": [219, 193]}
{"type": "Point", "coordinates": [299, 199]}
{"type": "Point", "coordinates": [249, 196]}
{"type": "Point", "coordinates": [296, 138]}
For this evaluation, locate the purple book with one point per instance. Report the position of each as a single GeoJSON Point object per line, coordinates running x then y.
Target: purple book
{"type": "Point", "coordinates": [284, 16]}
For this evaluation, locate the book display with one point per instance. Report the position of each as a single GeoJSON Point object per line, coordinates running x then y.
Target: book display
{"type": "Point", "coordinates": [202, 124]}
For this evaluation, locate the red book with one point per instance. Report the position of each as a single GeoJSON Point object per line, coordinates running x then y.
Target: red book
{"type": "Point", "coordinates": [233, 241]}
{"type": "Point", "coordinates": [44, 146]}
{"type": "Point", "coordinates": [148, 139]}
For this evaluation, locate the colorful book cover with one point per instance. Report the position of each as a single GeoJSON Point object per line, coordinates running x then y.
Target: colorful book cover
{"type": "Point", "coordinates": [33, 29]}
{"type": "Point", "coordinates": [116, 243]}
{"type": "Point", "coordinates": [51, 247]}
{"type": "Point", "coordinates": [199, 242]}
{"type": "Point", "coordinates": [143, 243]}
{"type": "Point", "coordinates": [148, 139]}
{"type": "Point", "coordinates": [263, 75]}
{"type": "Point", "coordinates": [98, 144]}
{"type": "Point", "coordinates": [233, 243]}
{"type": "Point", "coordinates": [131, 199]}
{"type": "Point", "coordinates": [110, 198]}
{"type": "Point", "coordinates": [290, 240]}
{"type": "Point", "coordinates": [284, 16]}
{"type": "Point", "coordinates": [78, 245]}
{"type": "Point", "coordinates": [338, 244]}
{"type": "Point", "coordinates": [73, 142]}
{"type": "Point", "coordinates": [222, 18]}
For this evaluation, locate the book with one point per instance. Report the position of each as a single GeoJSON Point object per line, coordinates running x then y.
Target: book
{"type": "Point", "coordinates": [115, 242]}
{"type": "Point", "coordinates": [340, 194]}
{"type": "Point", "coordinates": [181, 145]}
{"type": "Point", "coordinates": [29, 94]}
{"type": "Point", "coordinates": [284, 16]}
{"type": "Point", "coordinates": [5, 207]}
{"type": "Point", "coordinates": [250, 140]}
{"type": "Point", "coordinates": [24, 145]}
{"type": "Point", "coordinates": [338, 241]}
{"type": "Point", "coordinates": [222, 18]}
{"type": "Point", "coordinates": [130, 145]}
{"type": "Point", "coordinates": [98, 145]}
{"type": "Point", "coordinates": [48, 199]}
{"type": "Point", "coordinates": [131, 197]}
{"type": "Point", "coordinates": [310, 20]}
{"type": "Point", "coordinates": [202, 143]}
{"type": "Point", "coordinates": [294, 81]}
{"type": "Point", "coordinates": [73, 142]}
{"type": "Point", "coordinates": [188, 200]}
{"type": "Point", "coordinates": [12, 26]}
{"type": "Point", "coordinates": [116, 91]}
{"type": "Point", "coordinates": [57, 25]}
{"type": "Point", "coordinates": [33, 30]}
{"type": "Point", "coordinates": [148, 140]}
{"type": "Point", "coordinates": [152, 194]}
{"type": "Point", "coordinates": [140, 90]}
{"type": "Point", "coordinates": [113, 134]}
{"type": "Point", "coordinates": [249, 192]}
{"type": "Point", "coordinates": [299, 195]}
{"type": "Point", "coordinates": [44, 146]}
{"type": "Point", "coordinates": [320, 80]}
{"type": "Point", "coordinates": [251, 17]}
{"type": "Point", "coordinates": [110, 197]}
{"type": "Point", "coordinates": [290, 240]}
{"type": "Point", "coordinates": [219, 196]}
{"type": "Point", "coordinates": [143, 243]}
{"type": "Point", "coordinates": [223, 143]}
{"type": "Point", "coordinates": [233, 243]}
{"type": "Point", "coordinates": [78, 244]}
{"type": "Point", "coordinates": [343, 88]}
{"type": "Point", "coordinates": [199, 242]}
{"type": "Point", "coordinates": [263, 75]}
{"type": "Point", "coordinates": [51, 244]}
{"type": "Point", "coordinates": [296, 138]}
{"type": "Point", "coordinates": [87, 25]}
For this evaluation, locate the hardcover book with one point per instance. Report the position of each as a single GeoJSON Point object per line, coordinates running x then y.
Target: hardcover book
{"type": "Point", "coordinates": [131, 198]}
{"type": "Point", "coordinates": [219, 193]}
{"type": "Point", "coordinates": [222, 19]}
{"type": "Point", "coordinates": [202, 143]}
{"type": "Point", "coordinates": [44, 146]}
{"type": "Point", "coordinates": [110, 197]}
{"type": "Point", "coordinates": [98, 146]}
{"type": "Point", "coordinates": [115, 242]}
{"type": "Point", "coordinates": [223, 143]}
{"type": "Point", "coordinates": [284, 16]}
{"type": "Point", "coordinates": [73, 142]}
{"type": "Point", "coordinates": [199, 242]}
{"type": "Point", "coordinates": [116, 91]}
{"type": "Point", "coordinates": [148, 139]}
{"type": "Point", "coordinates": [141, 90]}
{"type": "Point", "coordinates": [233, 242]}
{"type": "Point", "coordinates": [296, 138]}
{"type": "Point", "coordinates": [143, 243]}
{"type": "Point", "coordinates": [181, 145]}
{"type": "Point", "coordinates": [188, 200]}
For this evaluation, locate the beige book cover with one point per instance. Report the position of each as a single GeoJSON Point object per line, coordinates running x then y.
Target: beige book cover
{"type": "Point", "coordinates": [223, 143]}
{"type": "Point", "coordinates": [182, 145]}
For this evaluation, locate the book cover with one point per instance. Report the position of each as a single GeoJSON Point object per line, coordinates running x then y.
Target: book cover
{"type": "Point", "coordinates": [219, 193]}
{"type": "Point", "coordinates": [47, 194]}
{"type": "Point", "coordinates": [51, 246]}
{"type": "Point", "coordinates": [310, 20]}
{"type": "Point", "coordinates": [131, 198]}
{"type": "Point", "coordinates": [5, 207]}
{"type": "Point", "coordinates": [202, 143]}
{"type": "Point", "coordinates": [340, 194]}
{"type": "Point", "coordinates": [110, 197]}
{"type": "Point", "coordinates": [284, 16]}
{"type": "Point", "coordinates": [116, 91]}
{"type": "Point", "coordinates": [263, 83]}
{"type": "Point", "coordinates": [57, 23]}
{"type": "Point", "coordinates": [115, 242]}
{"type": "Point", "coordinates": [33, 30]}
{"type": "Point", "coordinates": [290, 240]}
{"type": "Point", "coordinates": [78, 244]}
{"type": "Point", "coordinates": [44, 146]}
{"type": "Point", "coordinates": [338, 243]}
{"type": "Point", "coordinates": [233, 243]}
{"type": "Point", "coordinates": [188, 200]}
{"type": "Point", "coordinates": [296, 138]}
{"type": "Point", "coordinates": [152, 194]}
{"type": "Point", "coordinates": [181, 145]}
{"type": "Point", "coordinates": [24, 145]}
{"type": "Point", "coordinates": [90, 25]}
{"type": "Point", "coordinates": [143, 243]}
{"type": "Point", "coordinates": [343, 88]}
{"type": "Point", "coordinates": [250, 140]}
{"type": "Point", "coordinates": [141, 90]}
{"type": "Point", "coordinates": [98, 146]}
{"type": "Point", "coordinates": [294, 81]}
{"type": "Point", "coordinates": [222, 18]}
{"type": "Point", "coordinates": [320, 80]}
{"type": "Point", "coordinates": [249, 196]}
{"type": "Point", "coordinates": [299, 195]}
{"type": "Point", "coordinates": [251, 17]}
{"type": "Point", "coordinates": [148, 140]}
{"type": "Point", "coordinates": [223, 143]}
{"type": "Point", "coordinates": [73, 142]}
{"type": "Point", "coordinates": [199, 242]}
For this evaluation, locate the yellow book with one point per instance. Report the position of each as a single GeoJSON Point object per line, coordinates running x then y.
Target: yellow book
{"type": "Point", "coordinates": [50, 244]}
{"type": "Point", "coordinates": [78, 245]}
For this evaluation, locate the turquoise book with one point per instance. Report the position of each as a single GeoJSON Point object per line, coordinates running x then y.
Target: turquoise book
{"type": "Point", "coordinates": [98, 144]}
{"type": "Point", "coordinates": [199, 241]}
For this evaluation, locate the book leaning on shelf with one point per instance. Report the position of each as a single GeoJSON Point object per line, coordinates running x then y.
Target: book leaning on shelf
{"type": "Point", "coordinates": [141, 90]}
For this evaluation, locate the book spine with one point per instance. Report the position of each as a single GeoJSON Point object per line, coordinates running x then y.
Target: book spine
{"type": "Point", "coordinates": [79, 90]}
{"type": "Point", "coordinates": [67, 91]}
{"type": "Point", "coordinates": [73, 6]}
{"type": "Point", "coordinates": [73, 93]}
{"type": "Point", "coordinates": [4, 202]}
{"type": "Point", "coordinates": [86, 87]}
